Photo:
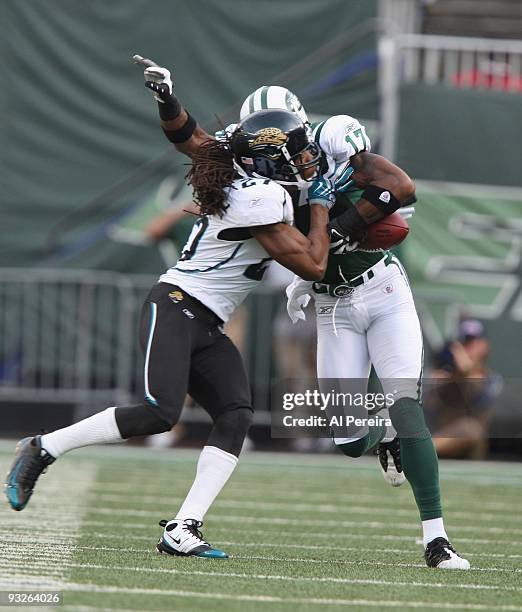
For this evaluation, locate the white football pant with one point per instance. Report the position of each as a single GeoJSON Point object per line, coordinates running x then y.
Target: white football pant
{"type": "Point", "coordinates": [375, 324]}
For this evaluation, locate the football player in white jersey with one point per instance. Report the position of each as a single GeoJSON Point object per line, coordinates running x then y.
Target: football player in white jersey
{"type": "Point", "coordinates": [242, 189]}
{"type": "Point", "coordinates": [365, 311]}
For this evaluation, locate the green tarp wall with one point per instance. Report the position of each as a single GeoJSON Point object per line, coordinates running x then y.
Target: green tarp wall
{"type": "Point", "coordinates": [464, 253]}
{"type": "Point", "coordinates": [77, 125]}
{"type": "Point", "coordinates": [468, 136]}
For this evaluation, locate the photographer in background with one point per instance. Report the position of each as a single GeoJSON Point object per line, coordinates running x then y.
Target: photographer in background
{"type": "Point", "coordinates": [461, 398]}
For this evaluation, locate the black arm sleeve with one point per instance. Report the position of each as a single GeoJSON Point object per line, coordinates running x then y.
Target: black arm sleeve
{"type": "Point", "coordinates": [350, 223]}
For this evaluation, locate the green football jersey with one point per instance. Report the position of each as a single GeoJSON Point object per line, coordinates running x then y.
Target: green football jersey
{"type": "Point", "coordinates": [343, 267]}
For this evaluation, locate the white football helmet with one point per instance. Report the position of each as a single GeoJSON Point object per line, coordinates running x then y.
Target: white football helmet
{"type": "Point", "coordinates": [273, 96]}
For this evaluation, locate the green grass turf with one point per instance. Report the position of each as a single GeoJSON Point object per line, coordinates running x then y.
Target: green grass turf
{"type": "Point", "coordinates": [304, 533]}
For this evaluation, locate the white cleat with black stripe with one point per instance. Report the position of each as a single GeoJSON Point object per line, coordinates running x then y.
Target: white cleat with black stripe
{"type": "Point", "coordinates": [184, 539]}
{"type": "Point", "coordinates": [440, 553]}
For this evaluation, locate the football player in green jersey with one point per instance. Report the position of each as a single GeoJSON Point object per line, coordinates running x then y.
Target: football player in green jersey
{"type": "Point", "coordinates": [365, 310]}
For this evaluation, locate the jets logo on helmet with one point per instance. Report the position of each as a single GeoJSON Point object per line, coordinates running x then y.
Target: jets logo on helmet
{"type": "Point", "coordinates": [275, 144]}
{"type": "Point", "coordinates": [273, 96]}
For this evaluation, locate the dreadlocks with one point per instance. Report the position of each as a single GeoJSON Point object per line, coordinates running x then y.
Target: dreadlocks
{"type": "Point", "coordinates": [211, 173]}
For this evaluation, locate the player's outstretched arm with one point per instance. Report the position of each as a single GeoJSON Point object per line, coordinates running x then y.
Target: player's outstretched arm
{"type": "Point", "coordinates": [386, 188]}
{"type": "Point", "coordinates": [305, 256]}
{"type": "Point", "coordinates": [178, 125]}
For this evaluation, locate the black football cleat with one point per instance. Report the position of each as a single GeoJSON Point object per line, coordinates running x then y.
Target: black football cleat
{"type": "Point", "coordinates": [441, 554]}
{"type": "Point", "coordinates": [30, 461]}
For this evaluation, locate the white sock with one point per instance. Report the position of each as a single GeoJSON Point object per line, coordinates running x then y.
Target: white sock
{"type": "Point", "coordinates": [100, 428]}
{"type": "Point", "coordinates": [214, 469]}
{"type": "Point", "coordinates": [434, 528]}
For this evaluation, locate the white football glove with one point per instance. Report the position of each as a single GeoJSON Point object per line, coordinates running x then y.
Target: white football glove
{"type": "Point", "coordinates": [406, 212]}
{"type": "Point", "coordinates": [157, 79]}
{"type": "Point", "coordinates": [298, 294]}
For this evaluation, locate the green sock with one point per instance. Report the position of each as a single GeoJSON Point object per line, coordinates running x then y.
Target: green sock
{"type": "Point", "coordinates": [419, 458]}
{"type": "Point", "coordinates": [358, 447]}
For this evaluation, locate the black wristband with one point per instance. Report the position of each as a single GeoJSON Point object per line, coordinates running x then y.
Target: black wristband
{"type": "Point", "coordinates": [170, 109]}
{"type": "Point", "coordinates": [183, 133]}
{"type": "Point", "coordinates": [411, 200]}
{"type": "Point", "coordinates": [383, 199]}
{"type": "Point", "coordinates": [350, 223]}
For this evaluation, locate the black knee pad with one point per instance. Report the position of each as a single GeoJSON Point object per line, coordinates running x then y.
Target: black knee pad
{"type": "Point", "coordinates": [141, 420]}
{"type": "Point", "coordinates": [230, 429]}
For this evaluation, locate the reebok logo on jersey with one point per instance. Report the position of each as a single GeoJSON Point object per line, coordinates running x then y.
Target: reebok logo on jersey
{"type": "Point", "coordinates": [385, 197]}
{"type": "Point", "coordinates": [189, 314]}
{"type": "Point", "coordinates": [255, 202]}
{"type": "Point", "coordinates": [323, 310]}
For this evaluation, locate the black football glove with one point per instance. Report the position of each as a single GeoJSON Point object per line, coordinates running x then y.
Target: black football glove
{"type": "Point", "coordinates": [341, 244]}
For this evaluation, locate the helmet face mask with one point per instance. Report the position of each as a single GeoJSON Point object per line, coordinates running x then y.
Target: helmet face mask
{"type": "Point", "coordinates": [271, 144]}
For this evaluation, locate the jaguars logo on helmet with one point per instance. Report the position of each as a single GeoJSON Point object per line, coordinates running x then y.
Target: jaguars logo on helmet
{"type": "Point", "coordinates": [270, 136]}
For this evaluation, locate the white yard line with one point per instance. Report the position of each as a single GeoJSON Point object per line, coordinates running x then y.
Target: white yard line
{"type": "Point", "coordinates": [26, 582]}
{"type": "Point", "coordinates": [7, 544]}
{"type": "Point", "coordinates": [329, 508]}
{"type": "Point", "coordinates": [339, 524]}
{"type": "Point", "coordinates": [15, 564]}
{"type": "Point", "coordinates": [263, 532]}
{"type": "Point", "coordinates": [67, 608]}
{"type": "Point", "coordinates": [382, 604]}
{"type": "Point", "coordinates": [57, 535]}
{"type": "Point", "coordinates": [67, 488]}
{"type": "Point", "coordinates": [398, 497]}
{"type": "Point", "coordinates": [370, 562]}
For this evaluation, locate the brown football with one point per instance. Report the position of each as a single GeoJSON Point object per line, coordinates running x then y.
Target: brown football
{"type": "Point", "coordinates": [386, 233]}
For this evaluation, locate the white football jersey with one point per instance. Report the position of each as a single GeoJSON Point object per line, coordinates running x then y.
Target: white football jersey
{"type": "Point", "coordinates": [221, 262]}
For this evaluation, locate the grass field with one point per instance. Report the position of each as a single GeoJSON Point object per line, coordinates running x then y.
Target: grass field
{"type": "Point", "coordinates": [304, 533]}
